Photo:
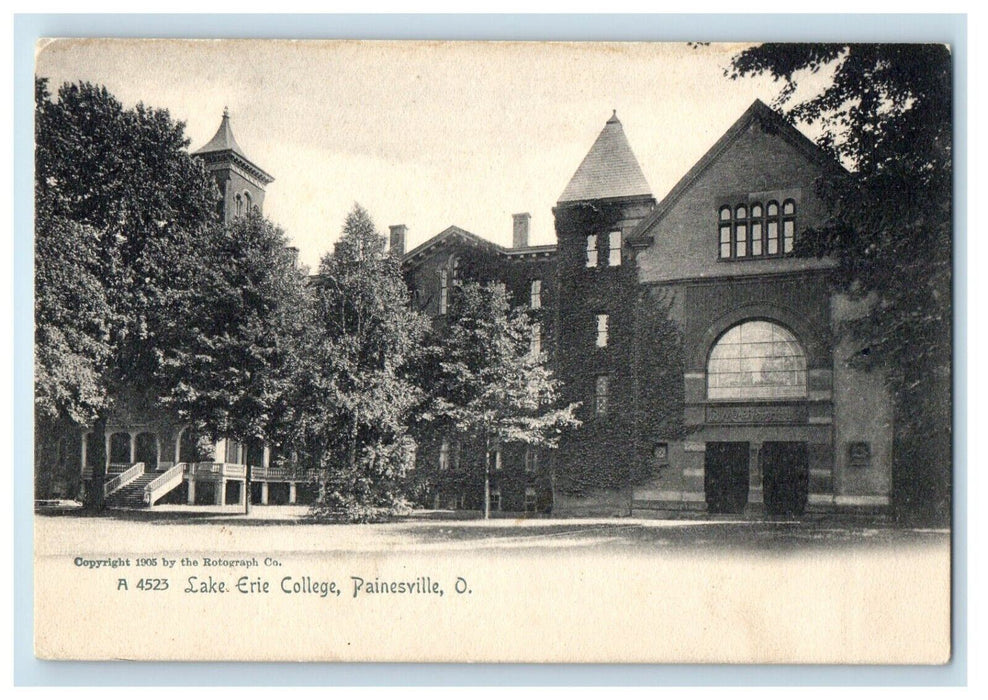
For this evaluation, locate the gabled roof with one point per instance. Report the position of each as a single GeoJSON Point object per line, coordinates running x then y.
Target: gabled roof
{"type": "Point", "coordinates": [457, 234]}
{"type": "Point", "coordinates": [224, 144]}
{"type": "Point", "coordinates": [223, 139]}
{"type": "Point", "coordinates": [609, 169]}
{"type": "Point", "coordinates": [769, 118]}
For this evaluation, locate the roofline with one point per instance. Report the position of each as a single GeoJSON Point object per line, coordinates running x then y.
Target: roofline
{"type": "Point", "coordinates": [422, 248]}
{"type": "Point", "coordinates": [757, 109]}
{"type": "Point", "coordinates": [623, 199]}
{"type": "Point", "coordinates": [240, 160]}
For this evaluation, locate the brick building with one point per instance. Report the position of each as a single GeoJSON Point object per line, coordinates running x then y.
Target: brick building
{"type": "Point", "coordinates": [748, 404]}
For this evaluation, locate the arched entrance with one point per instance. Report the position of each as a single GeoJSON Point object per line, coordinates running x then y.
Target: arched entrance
{"type": "Point", "coordinates": [194, 447]}
{"type": "Point", "coordinates": [146, 450]}
{"type": "Point", "coordinates": [756, 396]}
{"type": "Point", "coordinates": [120, 448]}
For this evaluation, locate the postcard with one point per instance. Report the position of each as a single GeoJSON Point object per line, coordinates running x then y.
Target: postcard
{"type": "Point", "coordinates": [492, 351]}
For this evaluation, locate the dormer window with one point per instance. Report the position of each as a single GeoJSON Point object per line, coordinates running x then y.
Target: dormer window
{"type": "Point", "coordinates": [749, 230]}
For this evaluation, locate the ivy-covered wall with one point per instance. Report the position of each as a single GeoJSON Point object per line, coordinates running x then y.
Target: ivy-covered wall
{"type": "Point", "coordinates": [601, 455]}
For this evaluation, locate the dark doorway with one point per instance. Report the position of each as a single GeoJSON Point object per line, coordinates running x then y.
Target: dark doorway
{"type": "Point", "coordinates": [194, 447]}
{"type": "Point", "coordinates": [146, 450]}
{"type": "Point", "coordinates": [120, 448]}
{"type": "Point", "coordinates": [785, 477]}
{"type": "Point", "coordinates": [233, 491]}
{"type": "Point", "coordinates": [725, 476]}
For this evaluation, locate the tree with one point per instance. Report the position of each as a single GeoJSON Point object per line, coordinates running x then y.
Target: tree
{"type": "Point", "coordinates": [482, 381]}
{"type": "Point", "coordinates": [354, 393]}
{"type": "Point", "coordinates": [120, 202]}
{"type": "Point", "coordinates": [232, 346]}
{"type": "Point", "coordinates": [885, 112]}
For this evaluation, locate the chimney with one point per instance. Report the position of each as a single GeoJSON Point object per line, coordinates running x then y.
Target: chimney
{"type": "Point", "coordinates": [519, 237]}
{"type": "Point", "coordinates": [398, 239]}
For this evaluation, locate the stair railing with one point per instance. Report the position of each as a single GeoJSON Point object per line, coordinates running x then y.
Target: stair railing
{"type": "Point", "coordinates": [164, 483]}
{"type": "Point", "coordinates": [122, 479]}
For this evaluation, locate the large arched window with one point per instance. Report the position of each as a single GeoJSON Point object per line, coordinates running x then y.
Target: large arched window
{"type": "Point", "coordinates": [757, 360]}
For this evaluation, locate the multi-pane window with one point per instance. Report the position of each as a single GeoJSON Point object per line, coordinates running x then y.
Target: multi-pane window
{"type": "Point", "coordinates": [592, 251]}
{"type": "Point", "coordinates": [443, 290]}
{"type": "Point", "coordinates": [753, 231]}
{"type": "Point", "coordinates": [535, 297]}
{"type": "Point", "coordinates": [530, 500]}
{"type": "Point", "coordinates": [757, 360]}
{"type": "Point", "coordinates": [495, 499]}
{"type": "Point", "coordinates": [531, 459]}
{"type": "Point", "coordinates": [601, 394]}
{"type": "Point", "coordinates": [536, 342]}
{"type": "Point", "coordinates": [614, 246]}
{"type": "Point", "coordinates": [495, 458]}
{"type": "Point", "coordinates": [601, 330]}
{"type": "Point", "coordinates": [444, 456]}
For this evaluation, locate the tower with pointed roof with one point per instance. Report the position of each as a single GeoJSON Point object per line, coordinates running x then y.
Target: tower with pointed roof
{"type": "Point", "coordinates": [241, 182]}
{"type": "Point", "coordinates": [601, 206]}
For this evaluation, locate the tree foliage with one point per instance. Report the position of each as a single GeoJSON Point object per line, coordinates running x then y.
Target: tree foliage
{"type": "Point", "coordinates": [354, 394]}
{"type": "Point", "coordinates": [886, 113]}
{"type": "Point", "coordinates": [233, 342]}
{"type": "Point", "coordinates": [483, 383]}
{"type": "Point", "coordinates": [120, 203]}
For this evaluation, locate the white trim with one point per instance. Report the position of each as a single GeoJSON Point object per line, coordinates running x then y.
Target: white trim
{"type": "Point", "coordinates": [820, 420]}
{"type": "Point", "coordinates": [694, 496]}
{"type": "Point", "coordinates": [693, 471]}
{"type": "Point", "coordinates": [862, 500]}
{"type": "Point", "coordinates": [820, 499]}
{"type": "Point", "coordinates": [694, 447]}
{"type": "Point", "coordinates": [694, 375]}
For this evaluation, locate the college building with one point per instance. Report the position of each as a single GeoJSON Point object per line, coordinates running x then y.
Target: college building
{"type": "Point", "coordinates": [704, 354]}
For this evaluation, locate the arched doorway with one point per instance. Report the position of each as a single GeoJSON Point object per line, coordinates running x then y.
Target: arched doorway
{"type": "Point", "coordinates": [756, 375]}
{"type": "Point", "coordinates": [120, 448]}
{"type": "Point", "coordinates": [194, 447]}
{"type": "Point", "coordinates": [146, 450]}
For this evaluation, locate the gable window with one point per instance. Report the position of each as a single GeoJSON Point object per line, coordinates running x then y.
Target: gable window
{"type": "Point", "coordinates": [536, 342]}
{"type": "Point", "coordinates": [614, 245]}
{"type": "Point", "coordinates": [443, 290]}
{"type": "Point", "coordinates": [602, 330]}
{"type": "Point", "coordinates": [535, 296]}
{"type": "Point", "coordinates": [751, 230]}
{"type": "Point", "coordinates": [757, 360]}
{"type": "Point", "coordinates": [601, 394]}
{"type": "Point", "coordinates": [592, 251]}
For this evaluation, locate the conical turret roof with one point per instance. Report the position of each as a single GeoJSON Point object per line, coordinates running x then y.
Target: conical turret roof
{"type": "Point", "coordinates": [609, 169]}
{"type": "Point", "coordinates": [223, 140]}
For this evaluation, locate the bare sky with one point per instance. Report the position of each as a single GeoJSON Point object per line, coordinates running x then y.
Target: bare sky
{"type": "Point", "coordinates": [426, 135]}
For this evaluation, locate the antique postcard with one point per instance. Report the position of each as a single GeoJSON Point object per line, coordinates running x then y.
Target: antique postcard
{"type": "Point", "coordinates": [492, 352]}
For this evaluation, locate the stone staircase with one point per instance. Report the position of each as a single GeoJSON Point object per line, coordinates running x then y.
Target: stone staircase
{"type": "Point", "coordinates": [131, 495]}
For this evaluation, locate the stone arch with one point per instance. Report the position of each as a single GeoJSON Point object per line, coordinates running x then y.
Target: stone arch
{"type": "Point", "coordinates": [193, 446]}
{"type": "Point", "coordinates": [119, 452]}
{"type": "Point", "coordinates": [147, 449]}
{"type": "Point", "coordinates": [814, 340]}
